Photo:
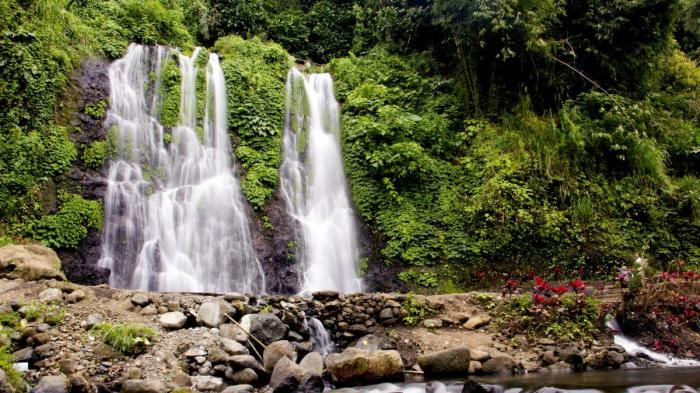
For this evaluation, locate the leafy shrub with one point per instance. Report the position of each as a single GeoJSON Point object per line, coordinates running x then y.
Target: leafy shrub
{"type": "Point", "coordinates": [94, 155]}
{"type": "Point", "coordinates": [126, 338]}
{"type": "Point", "coordinates": [69, 225]}
{"type": "Point", "coordinates": [416, 308]}
{"type": "Point", "coordinates": [255, 73]}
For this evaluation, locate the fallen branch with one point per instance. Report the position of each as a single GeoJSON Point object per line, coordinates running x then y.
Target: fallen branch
{"type": "Point", "coordinates": [247, 332]}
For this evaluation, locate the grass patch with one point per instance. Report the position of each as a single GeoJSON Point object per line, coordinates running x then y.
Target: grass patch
{"type": "Point", "coordinates": [14, 377]}
{"type": "Point", "coordinates": [128, 338]}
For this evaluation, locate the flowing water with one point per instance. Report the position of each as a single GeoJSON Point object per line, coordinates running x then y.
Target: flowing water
{"type": "Point", "coordinates": [675, 380]}
{"type": "Point", "coordinates": [320, 337]}
{"type": "Point", "coordinates": [314, 186]}
{"type": "Point", "coordinates": [174, 216]}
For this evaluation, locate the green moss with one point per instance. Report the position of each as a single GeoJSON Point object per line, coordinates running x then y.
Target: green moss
{"type": "Point", "coordinates": [125, 338]}
{"type": "Point", "coordinates": [170, 93]}
{"type": "Point", "coordinates": [96, 110]}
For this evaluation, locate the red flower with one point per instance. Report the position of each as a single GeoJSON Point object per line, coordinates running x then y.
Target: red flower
{"type": "Point", "coordinates": [541, 284]}
{"type": "Point", "coordinates": [560, 290]}
{"type": "Point", "coordinates": [688, 313]}
{"type": "Point", "coordinates": [481, 275]}
{"type": "Point", "coordinates": [511, 283]}
{"type": "Point", "coordinates": [673, 343]}
{"type": "Point", "coordinates": [657, 345]}
{"type": "Point", "coordinates": [539, 299]}
{"type": "Point", "coordinates": [578, 285]}
{"type": "Point", "coordinates": [581, 270]}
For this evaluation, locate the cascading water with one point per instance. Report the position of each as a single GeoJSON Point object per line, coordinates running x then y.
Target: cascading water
{"type": "Point", "coordinates": [174, 217]}
{"type": "Point", "coordinates": [314, 186]}
{"type": "Point", "coordinates": [320, 337]}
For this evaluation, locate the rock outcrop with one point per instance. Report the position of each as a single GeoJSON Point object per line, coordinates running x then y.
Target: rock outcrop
{"type": "Point", "coordinates": [453, 362]}
{"type": "Point", "coordinates": [357, 366]}
{"type": "Point", "coordinates": [30, 262]}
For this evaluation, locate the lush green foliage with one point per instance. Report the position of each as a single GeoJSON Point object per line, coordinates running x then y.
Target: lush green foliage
{"type": "Point", "coordinates": [67, 227]}
{"type": "Point", "coordinates": [128, 338]}
{"type": "Point", "coordinates": [14, 377]}
{"type": "Point", "coordinates": [416, 310]}
{"type": "Point", "coordinates": [255, 73]}
{"type": "Point", "coordinates": [581, 186]}
{"type": "Point", "coordinates": [41, 43]}
{"type": "Point", "coordinates": [94, 155]}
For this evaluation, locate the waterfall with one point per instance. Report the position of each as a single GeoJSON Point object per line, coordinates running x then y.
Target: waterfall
{"type": "Point", "coordinates": [314, 186]}
{"type": "Point", "coordinates": [320, 337]}
{"type": "Point", "coordinates": [174, 216]}
{"type": "Point", "coordinates": [635, 349]}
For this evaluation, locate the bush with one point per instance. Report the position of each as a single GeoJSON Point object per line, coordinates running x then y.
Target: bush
{"type": "Point", "coordinates": [94, 155]}
{"type": "Point", "coordinates": [69, 225]}
{"type": "Point", "coordinates": [126, 338]}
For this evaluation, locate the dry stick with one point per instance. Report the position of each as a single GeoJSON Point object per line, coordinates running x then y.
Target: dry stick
{"type": "Point", "coordinates": [256, 351]}
{"type": "Point", "coordinates": [247, 332]}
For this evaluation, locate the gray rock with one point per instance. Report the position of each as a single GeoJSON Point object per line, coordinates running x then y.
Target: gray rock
{"type": "Point", "coordinates": [386, 314]}
{"type": "Point", "coordinates": [546, 341]}
{"type": "Point", "coordinates": [500, 364]}
{"type": "Point", "coordinates": [275, 351]}
{"type": "Point", "coordinates": [266, 327]}
{"type": "Point", "coordinates": [30, 262]}
{"type": "Point", "coordinates": [213, 314]}
{"type": "Point", "coordinates": [143, 386]}
{"type": "Point", "coordinates": [475, 368]}
{"type": "Point", "coordinates": [52, 384]}
{"type": "Point", "coordinates": [239, 389]}
{"type": "Point", "coordinates": [453, 362]}
{"type": "Point", "coordinates": [195, 352]}
{"type": "Point", "coordinates": [472, 386]}
{"type": "Point", "coordinates": [560, 367]}
{"type": "Point", "coordinates": [477, 322]}
{"type": "Point", "coordinates": [247, 376]}
{"type": "Point", "coordinates": [312, 363]}
{"type": "Point", "coordinates": [173, 320]}
{"type": "Point", "coordinates": [68, 364]}
{"type": "Point", "coordinates": [77, 383]}
{"type": "Point", "coordinates": [205, 382]}
{"type": "Point", "coordinates": [92, 320]}
{"type": "Point", "coordinates": [479, 355]}
{"type": "Point", "coordinates": [286, 376]}
{"type": "Point", "coordinates": [140, 299]}
{"type": "Point", "coordinates": [355, 366]}
{"type": "Point", "coordinates": [181, 379]}
{"type": "Point", "coordinates": [312, 383]}
{"type": "Point", "coordinates": [51, 295]}
{"type": "Point", "coordinates": [23, 355]}
{"type": "Point", "coordinates": [244, 361]}
{"type": "Point", "coordinates": [233, 347]}
{"type": "Point", "coordinates": [432, 323]}
{"type": "Point", "coordinates": [570, 354]}
{"type": "Point", "coordinates": [231, 296]}
{"type": "Point", "coordinates": [75, 296]}
{"type": "Point", "coordinates": [233, 332]}
{"type": "Point", "coordinates": [149, 310]}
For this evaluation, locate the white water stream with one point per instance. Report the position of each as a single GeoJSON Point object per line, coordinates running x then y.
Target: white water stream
{"type": "Point", "coordinates": [314, 186]}
{"type": "Point", "coordinates": [174, 217]}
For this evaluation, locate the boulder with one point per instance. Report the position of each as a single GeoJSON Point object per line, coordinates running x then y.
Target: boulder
{"type": "Point", "coordinates": [312, 383]}
{"type": "Point", "coordinates": [233, 347]}
{"type": "Point", "coordinates": [205, 382]}
{"type": "Point", "coordinates": [570, 354]}
{"type": "Point", "coordinates": [30, 262]}
{"type": "Point", "coordinates": [92, 320]}
{"type": "Point", "coordinates": [275, 351]}
{"type": "Point", "coordinates": [76, 296]}
{"type": "Point", "coordinates": [475, 368]}
{"type": "Point", "coordinates": [471, 386]}
{"type": "Point", "coordinates": [247, 376]}
{"type": "Point", "coordinates": [286, 376]}
{"type": "Point", "coordinates": [266, 327]}
{"type": "Point", "coordinates": [213, 314]}
{"type": "Point", "coordinates": [477, 322]}
{"type": "Point", "coordinates": [356, 366]}
{"type": "Point", "coordinates": [68, 364]}
{"type": "Point", "coordinates": [173, 320]}
{"type": "Point", "coordinates": [239, 389]}
{"type": "Point", "coordinates": [233, 332]}
{"type": "Point", "coordinates": [23, 355]}
{"type": "Point", "coordinates": [452, 362]}
{"type": "Point", "coordinates": [432, 323]}
{"type": "Point", "coordinates": [5, 386]}
{"type": "Point", "coordinates": [500, 364]}
{"type": "Point", "coordinates": [77, 383]}
{"type": "Point", "coordinates": [140, 300]}
{"type": "Point", "coordinates": [51, 295]}
{"type": "Point", "coordinates": [244, 361]}
{"type": "Point", "coordinates": [143, 386]}
{"type": "Point", "coordinates": [312, 363]}
{"type": "Point", "coordinates": [479, 355]}
{"type": "Point", "coordinates": [52, 384]}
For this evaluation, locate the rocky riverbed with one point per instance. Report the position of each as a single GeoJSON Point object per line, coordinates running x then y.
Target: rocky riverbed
{"type": "Point", "coordinates": [238, 343]}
